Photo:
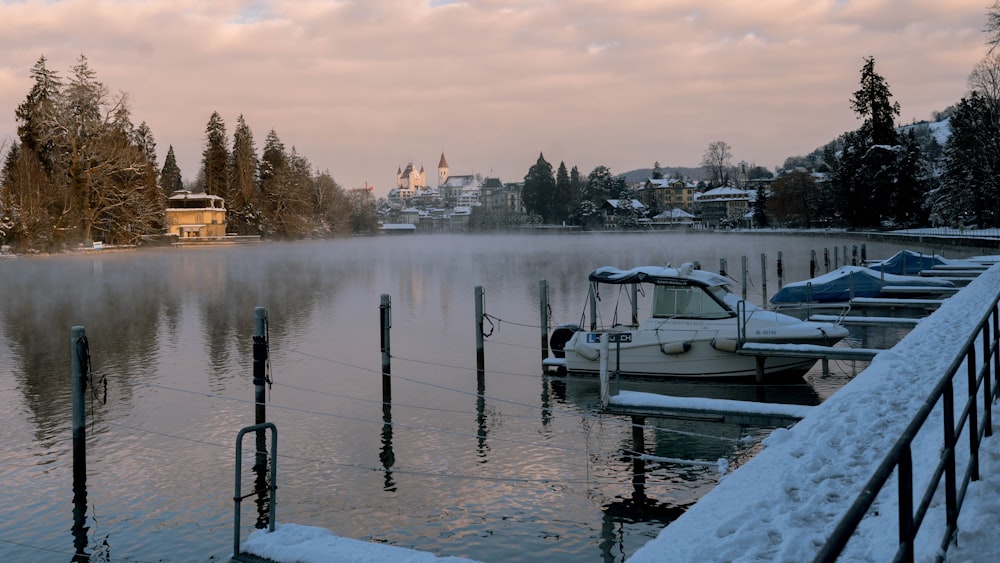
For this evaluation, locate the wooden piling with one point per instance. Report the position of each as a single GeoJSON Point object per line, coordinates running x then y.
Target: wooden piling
{"type": "Point", "coordinates": [781, 272]}
{"type": "Point", "coordinates": [763, 277]}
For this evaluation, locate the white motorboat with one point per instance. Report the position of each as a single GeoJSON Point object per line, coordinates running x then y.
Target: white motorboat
{"type": "Point", "coordinates": [695, 328]}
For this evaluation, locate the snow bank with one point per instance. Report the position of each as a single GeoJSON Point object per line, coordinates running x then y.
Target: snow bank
{"type": "Point", "coordinates": [307, 544]}
{"type": "Point", "coordinates": [784, 502]}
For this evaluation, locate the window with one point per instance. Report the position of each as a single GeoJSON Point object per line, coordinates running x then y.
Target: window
{"type": "Point", "coordinates": [686, 301]}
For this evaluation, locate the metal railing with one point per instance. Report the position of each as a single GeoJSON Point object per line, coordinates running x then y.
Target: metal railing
{"type": "Point", "coordinates": [899, 460]}
{"type": "Point", "coordinates": [270, 487]}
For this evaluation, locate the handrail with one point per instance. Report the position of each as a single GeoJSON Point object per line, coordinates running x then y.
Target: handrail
{"type": "Point", "coordinates": [272, 485]}
{"type": "Point", "coordinates": [899, 458]}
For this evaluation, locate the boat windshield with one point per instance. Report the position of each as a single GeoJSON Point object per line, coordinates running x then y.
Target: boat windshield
{"type": "Point", "coordinates": [686, 301]}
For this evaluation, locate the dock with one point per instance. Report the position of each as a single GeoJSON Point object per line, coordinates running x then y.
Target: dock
{"type": "Point", "coordinates": [634, 403]}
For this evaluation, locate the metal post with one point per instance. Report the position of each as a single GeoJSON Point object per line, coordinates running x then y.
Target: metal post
{"type": "Point", "coordinates": [479, 326]}
{"type": "Point", "coordinates": [722, 267]}
{"type": "Point", "coordinates": [812, 264]}
{"type": "Point", "coordinates": [854, 255]}
{"type": "Point", "coordinates": [543, 306]}
{"type": "Point", "coordinates": [836, 257]}
{"type": "Point", "coordinates": [864, 253]}
{"type": "Point", "coordinates": [826, 259]}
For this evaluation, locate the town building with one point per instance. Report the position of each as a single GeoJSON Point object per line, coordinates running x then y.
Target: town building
{"type": "Point", "coordinates": [191, 215]}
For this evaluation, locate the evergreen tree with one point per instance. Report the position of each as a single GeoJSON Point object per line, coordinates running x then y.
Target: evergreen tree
{"type": "Point", "coordinates": [242, 201]}
{"type": "Point", "coordinates": [34, 129]}
{"type": "Point", "coordinates": [970, 182]}
{"type": "Point", "coordinates": [563, 195]}
{"type": "Point", "coordinates": [657, 171]}
{"type": "Point", "coordinates": [760, 207]}
{"type": "Point", "coordinates": [869, 171]}
{"type": "Point", "coordinates": [170, 176]}
{"type": "Point", "coordinates": [215, 158]}
{"type": "Point", "coordinates": [539, 189]}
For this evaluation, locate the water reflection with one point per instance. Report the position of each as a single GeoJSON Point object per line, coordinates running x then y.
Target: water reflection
{"type": "Point", "coordinates": [160, 321]}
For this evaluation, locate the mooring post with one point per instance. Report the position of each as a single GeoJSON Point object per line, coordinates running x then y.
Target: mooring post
{"type": "Point", "coordinates": [80, 352]}
{"type": "Point", "coordinates": [781, 272]}
{"type": "Point", "coordinates": [592, 297]}
{"type": "Point", "coordinates": [854, 255]}
{"type": "Point", "coordinates": [605, 384]}
{"type": "Point", "coordinates": [864, 253]}
{"type": "Point", "coordinates": [743, 276]}
{"type": "Point", "coordinates": [763, 277]}
{"type": "Point", "coordinates": [259, 364]}
{"type": "Point", "coordinates": [826, 259]}
{"type": "Point", "coordinates": [635, 303]}
{"type": "Point", "coordinates": [480, 361]}
{"type": "Point", "coordinates": [543, 308]}
{"type": "Point", "coordinates": [722, 267]}
{"type": "Point", "coordinates": [812, 264]}
{"type": "Point", "coordinates": [385, 323]}
{"type": "Point", "coordinates": [836, 257]}
{"type": "Point", "coordinates": [260, 350]}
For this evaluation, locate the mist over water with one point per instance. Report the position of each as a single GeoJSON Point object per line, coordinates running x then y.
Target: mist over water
{"type": "Point", "coordinates": [528, 473]}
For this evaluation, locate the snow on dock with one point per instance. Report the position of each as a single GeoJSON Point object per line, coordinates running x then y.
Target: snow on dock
{"type": "Point", "coordinates": [783, 504]}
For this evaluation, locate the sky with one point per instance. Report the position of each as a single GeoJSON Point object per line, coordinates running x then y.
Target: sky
{"type": "Point", "coordinates": [781, 504]}
{"type": "Point", "coordinates": [361, 88]}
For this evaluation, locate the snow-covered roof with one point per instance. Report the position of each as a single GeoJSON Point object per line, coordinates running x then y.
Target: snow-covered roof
{"type": "Point", "coordinates": [635, 203]}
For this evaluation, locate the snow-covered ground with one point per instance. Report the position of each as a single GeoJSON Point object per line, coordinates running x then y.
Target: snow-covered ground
{"type": "Point", "coordinates": [784, 502]}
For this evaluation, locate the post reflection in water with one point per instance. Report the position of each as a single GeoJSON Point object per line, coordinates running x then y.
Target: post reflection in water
{"type": "Point", "coordinates": [386, 455]}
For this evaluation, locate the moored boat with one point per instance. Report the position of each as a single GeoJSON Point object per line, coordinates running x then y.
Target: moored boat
{"type": "Point", "coordinates": [695, 328]}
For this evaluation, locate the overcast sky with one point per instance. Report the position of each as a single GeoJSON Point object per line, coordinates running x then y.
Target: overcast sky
{"type": "Point", "coordinates": [361, 87]}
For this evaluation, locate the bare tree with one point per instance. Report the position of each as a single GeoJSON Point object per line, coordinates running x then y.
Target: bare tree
{"type": "Point", "coordinates": [718, 161]}
{"type": "Point", "coordinates": [985, 79]}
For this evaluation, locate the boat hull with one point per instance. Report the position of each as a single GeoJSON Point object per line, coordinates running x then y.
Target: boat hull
{"type": "Point", "coordinates": [695, 349]}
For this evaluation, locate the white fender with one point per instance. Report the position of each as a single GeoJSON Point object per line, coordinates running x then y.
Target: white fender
{"type": "Point", "coordinates": [725, 345]}
{"type": "Point", "coordinates": [586, 352]}
{"type": "Point", "coordinates": [673, 348]}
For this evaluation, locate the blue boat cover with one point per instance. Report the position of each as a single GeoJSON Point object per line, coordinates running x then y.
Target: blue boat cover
{"type": "Point", "coordinates": [906, 262]}
{"type": "Point", "coordinates": [836, 286]}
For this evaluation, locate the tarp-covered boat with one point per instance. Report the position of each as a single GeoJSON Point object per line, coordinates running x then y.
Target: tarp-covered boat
{"type": "Point", "coordinates": [849, 281]}
{"type": "Point", "coordinates": [695, 328]}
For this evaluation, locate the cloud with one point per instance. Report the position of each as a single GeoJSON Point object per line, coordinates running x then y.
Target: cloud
{"type": "Point", "coordinates": [361, 87]}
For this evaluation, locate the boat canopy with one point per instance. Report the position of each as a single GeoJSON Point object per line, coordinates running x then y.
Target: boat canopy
{"type": "Point", "coordinates": [658, 275]}
{"type": "Point", "coordinates": [836, 286]}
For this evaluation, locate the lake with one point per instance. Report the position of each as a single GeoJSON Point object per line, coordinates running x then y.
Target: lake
{"type": "Point", "coordinates": [503, 465]}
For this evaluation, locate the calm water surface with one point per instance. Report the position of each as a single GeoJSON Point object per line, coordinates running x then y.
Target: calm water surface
{"type": "Point", "coordinates": [503, 466]}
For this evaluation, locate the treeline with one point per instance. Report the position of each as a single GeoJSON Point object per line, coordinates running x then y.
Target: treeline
{"type": "Point", "coordinates": [81, 170]}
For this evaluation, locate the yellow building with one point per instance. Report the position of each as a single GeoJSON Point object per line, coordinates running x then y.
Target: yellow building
{"type": "Point", "coordinates": [195, 215]}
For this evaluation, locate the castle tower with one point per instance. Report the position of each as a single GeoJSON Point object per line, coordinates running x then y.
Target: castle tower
{"type": "Point", "coordinates": [442, 170]}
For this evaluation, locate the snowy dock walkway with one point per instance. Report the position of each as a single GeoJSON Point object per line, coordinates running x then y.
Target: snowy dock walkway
{"type": "Point", "coordinates": [634, 403]}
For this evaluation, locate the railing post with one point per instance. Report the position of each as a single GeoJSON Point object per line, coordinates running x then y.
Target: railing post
{"type": "Point", "coordinates": [950, 493]}
{"type": "Point", "coordinates": [904, 472]}
{"type": "Point", "coordinates": [973, 421]}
